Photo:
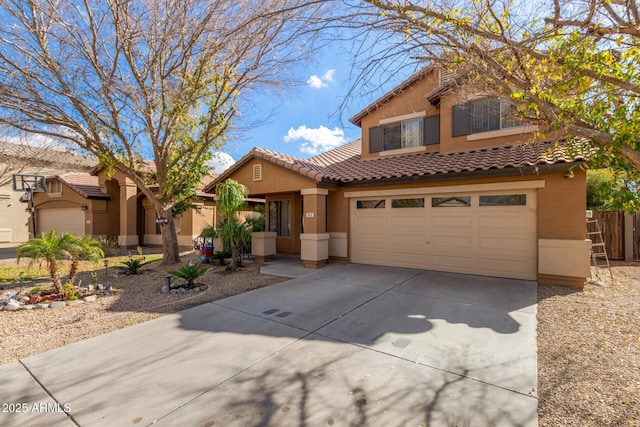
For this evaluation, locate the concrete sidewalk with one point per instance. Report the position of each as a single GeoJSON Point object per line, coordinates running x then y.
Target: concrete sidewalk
{"type": "Point", "coordinates": [344, 345]}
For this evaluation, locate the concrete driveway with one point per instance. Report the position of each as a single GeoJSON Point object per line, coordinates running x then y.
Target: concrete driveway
{"type": "Point", "coordinates": [348, 345]}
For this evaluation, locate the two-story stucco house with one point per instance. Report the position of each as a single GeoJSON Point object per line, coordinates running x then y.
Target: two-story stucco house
{"type": "Point", "coordinates": [440, 180]}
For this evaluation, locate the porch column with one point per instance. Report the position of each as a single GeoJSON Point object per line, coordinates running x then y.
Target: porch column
{"type": "Point", "coordinates": [314, 246]}
{"type": "Point", "coordinates": [128, 236]}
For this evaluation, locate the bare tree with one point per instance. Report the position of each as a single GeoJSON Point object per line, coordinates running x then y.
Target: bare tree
{"type": "Point", "coordinates": [570, 66]}
{"type": "Point", "coordinates": [132, 80]}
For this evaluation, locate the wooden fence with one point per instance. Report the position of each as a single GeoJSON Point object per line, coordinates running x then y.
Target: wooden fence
{"type": "Point", "coordinates": [612, 224]}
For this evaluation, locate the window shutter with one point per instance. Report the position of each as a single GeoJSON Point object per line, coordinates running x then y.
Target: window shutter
{"type": "Point", "coordinates": [461, 120]}
{"type": "Point", "coordinates": [431, 130]}
{"type": "Point", "coordinates": [376, 139]}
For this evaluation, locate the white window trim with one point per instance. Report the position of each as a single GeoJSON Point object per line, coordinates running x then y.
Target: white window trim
{"type": "Point", "coordinates": [518, 130]}
{"type": "Point", "coordinates": [398, 151]}
{"type": "Point", "coordinates": [403, 118]}
{"type": "Point", "coordinates": [493, 186]}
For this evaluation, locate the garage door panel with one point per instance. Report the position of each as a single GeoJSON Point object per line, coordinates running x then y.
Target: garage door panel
{"type": "Point", "coordinates": [371, 256]}
{"type": "Point", "coordinates": [61, 220]}
{"type": "Point", "coordinates": [454, 222]}
{"type": "Point", "coordinates": [407, 259]}
{"type": "Point", "coordinates": [373, 240]}
{"type": "Point", "coordinates": [449, 241]}
{"type": "Point", "coordinates": [505, 222]}
{"type": "Point", "coordinates": [449, 261]}
{"type": "Point", "coordinates": [369, 222]}
{"type": "Point", "coordinates": [517, 269]}
{"type": "Point", "coordinates": [493, 241]}
{"type": "Point", "coordinates": [505, 245]}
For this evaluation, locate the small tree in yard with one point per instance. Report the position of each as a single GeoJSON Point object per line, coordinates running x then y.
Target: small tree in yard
{"type": "Point", "coordinates": [53, 248]}
{"type": "Point", "coordinates": [135, 80]}
{"type": "Point", "coordinates": [80, 248]}
{"type": "Point", "coordinates": [230, 200]}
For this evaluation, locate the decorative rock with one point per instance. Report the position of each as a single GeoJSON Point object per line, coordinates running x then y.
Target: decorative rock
{"type": "Point", "coordinates": [57, 304]}
{"type": "Point", "coordinates": [90, 287]}
{"type": "Point", "coordinates": [43, 305]}
{"type": "Point", "coordinates": [101, 287]}
{"type": "Point", "coordinates": [11, 305]}
{"type": "Point", "coordinates": [24, 299]}
{"type": "Point", "coordinates": [76, 302]}
{"type": "Point", "coordinates": [28, 307]}
{"type": "Point", "coordinates": [182, 290]}
{"type": "Point", "coordinates": [165, 289]}
{"type": "Point", "coordinates": [90, 298]}
{"type": "Point", "coordinates": [107, 287]}
{"type": "Point", "coordinates": [203, 287]}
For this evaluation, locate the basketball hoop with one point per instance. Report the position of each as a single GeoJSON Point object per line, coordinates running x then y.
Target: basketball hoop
{"type": "Point", "coordinates": [29, 184]}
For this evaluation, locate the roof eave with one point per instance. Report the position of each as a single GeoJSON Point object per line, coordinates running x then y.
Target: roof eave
{"type": "Point", "coordinates": [489, 173]}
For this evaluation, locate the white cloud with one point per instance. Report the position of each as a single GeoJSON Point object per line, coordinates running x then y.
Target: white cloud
{"type": "Point", "coordinates": [34, 140]}
{"type": "Point", "coordinates": [220, 162]}
{"type": "Point", "coordinates": [321, 82]}
{"type": "Point", "coordinates": [315, 141]}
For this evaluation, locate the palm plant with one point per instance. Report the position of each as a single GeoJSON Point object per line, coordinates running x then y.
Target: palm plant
{"type": "Point", "coordinates": [230, 200]}
{"type": "Point", "coordinates": [51, 248]}
{"type": "Point", "coordinates": [84, 247]}
{"type": "Point", "coordinates": [236, 234]}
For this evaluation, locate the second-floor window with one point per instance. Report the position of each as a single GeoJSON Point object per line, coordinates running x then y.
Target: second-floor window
{"type": "Point", "coordinates": [405, 134]}
{"type": "Point", "coordinates": [482, 116]}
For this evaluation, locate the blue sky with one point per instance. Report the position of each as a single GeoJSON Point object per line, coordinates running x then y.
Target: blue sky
{"type": "Point", "coordinates": [308, 120]}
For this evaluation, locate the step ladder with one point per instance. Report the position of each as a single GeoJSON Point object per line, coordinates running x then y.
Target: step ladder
{"type": "Point", "coordinates": [599, 258]}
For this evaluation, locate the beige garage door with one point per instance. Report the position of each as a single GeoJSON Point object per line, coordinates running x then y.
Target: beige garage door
{"type": "Point", "coordinates": [70, 220]}
{"type": "Point", "coordinates": [483, 233]}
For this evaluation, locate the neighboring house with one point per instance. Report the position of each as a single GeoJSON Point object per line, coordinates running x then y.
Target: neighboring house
{"type": "Point", "coordinates": [439, 180]}
{"type": "Point", "coordinates": [15, 217]}
{"type": "Point", "coordinates": [94, 205]}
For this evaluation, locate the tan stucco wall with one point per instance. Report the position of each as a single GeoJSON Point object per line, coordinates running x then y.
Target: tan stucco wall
{"type": "Point", "coordinates": [411, 100]}
{"type": "Point", "coordinates": [14, 217]}
{"type": "Point", "coordinates": [275, 179]}
{"type": "Point", "coordinates": [561, 207]}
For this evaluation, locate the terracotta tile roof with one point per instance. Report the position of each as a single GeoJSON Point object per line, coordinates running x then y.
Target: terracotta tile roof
{"type": "Point", "coordinates": [351, 168]}
{"type": "Point", "coordinates": [84, 184]}
{"type": "Point", "coordinates": [344, 165]}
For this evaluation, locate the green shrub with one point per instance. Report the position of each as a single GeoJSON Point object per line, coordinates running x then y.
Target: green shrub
{"type": "Point", "coordinates": [190, 272]}
{"type": "Point", "coordinates": [109, 245]}
{"type": "Point", "coordinates": [38, 290]}
{"type": "Point", "coordinates": [71, 292]}
{"type": "Point", "coordinates": [133, 265]}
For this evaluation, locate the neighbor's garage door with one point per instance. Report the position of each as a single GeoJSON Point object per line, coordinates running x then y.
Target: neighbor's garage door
{"type": "Point", "coordinates": [483, 233]}
{"type": "Point", "coordinates": [70, 220]}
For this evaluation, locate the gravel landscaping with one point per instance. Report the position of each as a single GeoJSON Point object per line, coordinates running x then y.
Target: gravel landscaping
{"type": "Point", "coordinates": [588, 340]}
{"type": "Point", "coordinates": [589, 352]}
{"type": "Point", "coordinates": [132, 299]}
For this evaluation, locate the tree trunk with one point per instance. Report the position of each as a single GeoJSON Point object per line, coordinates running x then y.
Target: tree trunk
{"type": "Point", "coordinates": [73, 270]}
{"type": "Point", "coordinates": [170, 250]}
{"type": "Point", "coordinates": [53, 272]}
